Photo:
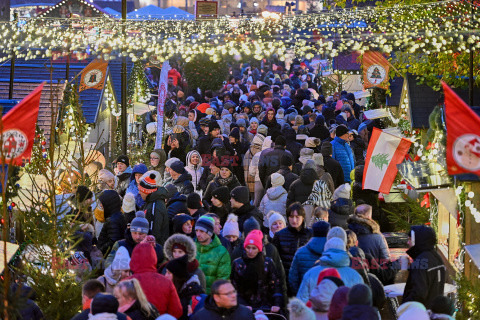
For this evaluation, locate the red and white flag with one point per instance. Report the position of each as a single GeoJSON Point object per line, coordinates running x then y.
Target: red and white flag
{"type": "Point", "coordinates": [384, 152]}
{"type": "Point", "coordinates": [18, 129]}
{"type": "Point", "coordinates": [463, 135]}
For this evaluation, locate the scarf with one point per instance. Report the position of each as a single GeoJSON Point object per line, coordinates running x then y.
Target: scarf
{"type": "Point", "coordinates": [225, 181]}
{"type": "Point", "coordinates": [253, 272]}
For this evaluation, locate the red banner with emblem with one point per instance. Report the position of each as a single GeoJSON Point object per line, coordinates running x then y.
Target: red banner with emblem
{"type": "Point", "coordinates": [375, 70]}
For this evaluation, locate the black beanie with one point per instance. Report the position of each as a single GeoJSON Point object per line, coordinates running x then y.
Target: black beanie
{"type": "Point", "coordinates": [286, 160]}
{"type": "Point", "coordinates": [360, 294]}
{"type": "Point", "coordinates": [123, 159]}
{"type": "Point", "coordinates": [280, 141]}
{"type": "Point", "coordinates": [443, 305]}
{"type": "Point", "coordinates": [320, 228]}
{"type": "Point", "coordinates": [178, 167]}
{"type": "Point", "coordinates": [213, 124]}
{"type": "Point", "coordinates": [240, 194]}
{"type": "Point", "coordinates": [249, 225]}
{"type": "Point", "coordinates": [194, 201]}
{"type": "Point", "coordinates": [103, 302]}
{"type": "Point", "coordinates": [341, 130]}
{"type": "Point", "coordinates": [179, 267]}
{"type": "Point", "coordinates": [83, 193]}
{"type": "Point", "coordinates": [235, 133]}
{"type": "Point", "coordinates": [222, 194]}
{"type": "Point", "coordinates": [326, 149]}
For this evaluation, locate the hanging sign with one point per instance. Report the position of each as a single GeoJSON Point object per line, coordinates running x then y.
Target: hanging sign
{"type": "Point", "coordinates": [162, 96]}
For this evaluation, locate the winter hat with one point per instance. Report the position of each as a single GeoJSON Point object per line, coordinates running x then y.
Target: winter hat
{"type": "Point", "coordinates": [151, 127]}
{"type": "Point", "coordinates": [298, 120]}
{"type": "Point", "coordinates": [235, 133]}
{"type": "Point", "coordinates": [330, 273]}
{"type": "Point", "coordinates": [194, 201]}
{"type": "Point", "coordinates": [240, 194]}
{"type": "Point", "coordinates": [210, 111]}
{"type": "Point", "coordinates": [443, 305]}
{"type": "Point", "coordinates": [310, 164]}
{"type": "Point", "coordinates": [337, 232]}
{"type": "Point", "coordinates": [123, 159]}
{"type": "Point", "coordinates": [280, 114]}
{"type": "Point", "coordinates": [217, 143]}
{"type": "Point", "coordinates": [212, 125]}
{"type": "Point", "coordinates": [326, 149]}
{"type": "Point", "coordinates": [286, 160]}
{"type": "Point", "coordinates": [171, 190]}
{"type": "Point", "coordinates": [104, 303]}
{"type": "Point", "coordinates": [277, 179]}
{"type": "Point", "coordinates": [179, 220]}
{"type": "Point", "coordinates": [341, 130]}
{"type": "Point", "coordinates": [206, 224]}
{"type": "Point", "coordinates": [121, 260]}
{"type": "Point", "coordinates": [83, 193]}
{"type": "Point", "coordinates": [255, 237]}
{"type": "Point", "coordinates": [128, 204]}
{"type": "Point", "coordinates": [273, 216]}
{"type": "Point", "coordinates": [178, 267]}
{"type": "Point", "coordinates": [412, 310]}
{"type": "Point", "coordinates": [262, 129]}
{"type": "Point", "coordinates": [254, 119]}
{"type": "Point", "coordinates": [343, 191]}
{"type": "Point", "coordinates": [231, 226]}
{"type": "Point", "coordinates": [139, 223]}
{"type": "Point", "coordinates": [318, 159]}
{"type": "Point", "coordinates": [148, 184]}
{"type": "Point", "coordinates": [360, 294]}
{"type": "Point", "coordinates": [222, 194]}
{"type": "Point", "coordinates": [320, 120]}
{"type": "Point", "coordinates": [335, 243]}
{"type": "Point", "coordinates": [312, 142]}
{"type": "Point", "coordinates": [241, 123]}
{"type": "Point", "coordinates": [178, 167]}
{"type": "Point", "coordinates": [105, 175]}
{"type": "Point", "coordinates": [305, 155]}
{"type": "Point", "coordinates": [169, 162]}
{"type": "Point", "coordinates": [339, 301]}
{"type": "Point", "coordinates": [321, 295]}
{"type": "Point", "coordinates": [299, 311]}
{"type": "Point", "coordinates": [249, 225]}
{"type": "Point", "coordinates": [320, 228]}
{"type": "Point", "coordinates": [258, 140]}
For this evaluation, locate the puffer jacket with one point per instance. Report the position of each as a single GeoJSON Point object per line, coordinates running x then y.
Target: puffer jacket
{"type": "Point", "coordinates": [245, 212]}
{"type": "Point", "coordinates": [133, 187]}
{"type": "Point", "coordinates": [287, 242]}
{"type": "Point", "coordinates": [211, 311]}
{"type": "Point", "coordinates": [335, 170]}
{"type": "Point", "coordinates": [184, 184]}
{"type": "Point", "coordinates": [353, 123]}
{"type": "Point", "coordinates": [156, 214]}
{"type": "Point", "coordinates": [122, 180]}
{"type": "Point", "coordinates": [268, 292]}
{"type": "Point", "coordinates": [275, 199]}
{"type": "Point", "coordinates": [370, 240]}
{"type": "Point", "coordinates": [426, 277]}
{"type": "Point", "coordinates": [195, 171]}
{"type": "Point", "coordinates": [177, 204]}
{"type": "Point", "coordinates": [339, 212]}
{"type": "Point", "coordinates": [331, 258]}
{"type": "Point", "coordinates": [344, 155]}
{"type": "Point", "coordinates": [214, 261]}
{"type": "Point", "coordinates": [189, 244]}
{"type": "Point", "coordinates": [301, 188]}
{"type": "Point", "coordinates": [115, 224]}
{"type": "Point", "coordinates": [305, 259]}
{"type": "Point", "coordinates": [217, 183]}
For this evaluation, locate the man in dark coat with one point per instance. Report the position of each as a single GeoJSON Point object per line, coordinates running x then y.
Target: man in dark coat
{"type": "Point", "coordinates": [115, 223]}
{"type": "Point", "coordinates": [301, 188]}
{"type": "Point", "coordinates": [331, 165]}
{"type": "Point", "coordinates": [285, 170]}
{"type": "Point", "coordinates": [319, 130]}
{"type": "Point", "coordinates": [205, 143]}
{"type": "Point", "coordinates": [240, 201]}
{"type": "Point", "coordinates": [181, 178]}
{"type": "Point", "coordinates": [270, 159]}
{"type": "Point", "coordinates": [292, 145]}
{"type": "Point", "coordinates": [274, 128]}
{"type": "Point", "coordinates": [426, 277]}
{"type": "Point", "coordinates": [223, 304]}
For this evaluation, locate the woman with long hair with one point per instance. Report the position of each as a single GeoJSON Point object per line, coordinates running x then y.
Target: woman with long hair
{"type": "Point", "coordinates": [133, 302]}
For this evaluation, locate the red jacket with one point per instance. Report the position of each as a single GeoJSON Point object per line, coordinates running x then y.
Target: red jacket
{"type": "Point", "coordinates": [157, 288]}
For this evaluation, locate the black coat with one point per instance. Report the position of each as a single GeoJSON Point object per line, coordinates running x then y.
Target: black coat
{"type": "Point", "coordinates": [360, 312]}
{"type": "Point", "coordinates": [177, 204]}
{"type": "Point", "coordinates": [426, 277]}
{"type": "Point", "coordinates": [184, 183]}
{"type": "Point", "coordinates": [211, 311]}
{"type": "Point", "coordinates": [333, 167]}
{"type": "Point", "coordinates": [358, 147]}
{"type": "Point", "coordinates": [287, 174]}
{"type": "Point", "coordinates": [301, 188]}
{"type": "Point", "coordinates": [84, 315]}
{"type": "Point", "coordinates": [274, 128]}
{"type": "Point", "coordinates": [204, 145]}
{"type": "Point", "coordinates": [191, 288]}
{"type": "Point", "coordinates": [135, 312]}
{"type": "Point", "coordinates": [320, 131]}
{"type": "Point", "coordinates": [339, 212]}
{"type": "Point", "coordinates": [245, 212]}
{"type": "Point", "coordinates": [287, 241]}
{"type": "Point", "coordinates": [270, 160]}
{"type": "Point", "coordinates": [292, 145]}
{"type": "Point", "coordinates": [115, 224]}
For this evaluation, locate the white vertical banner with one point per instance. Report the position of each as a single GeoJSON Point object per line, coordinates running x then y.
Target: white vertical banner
{"type": "Point", "coordinates": [162, 96]}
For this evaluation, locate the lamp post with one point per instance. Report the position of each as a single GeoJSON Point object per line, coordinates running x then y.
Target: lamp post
{"type": "Point", "coordinates": [124, 82]}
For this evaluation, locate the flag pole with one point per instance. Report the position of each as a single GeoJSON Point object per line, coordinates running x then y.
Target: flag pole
{"type": "Point", "coordinates": [124, 81]}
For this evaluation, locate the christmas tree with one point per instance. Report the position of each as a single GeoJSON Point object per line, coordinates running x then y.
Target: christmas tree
{"type": "Point", "coordinates": [376, 74]}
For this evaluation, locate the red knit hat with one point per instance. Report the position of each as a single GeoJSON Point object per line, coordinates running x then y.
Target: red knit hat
{"type": "Point", "coordinates": [203, 107]}
{"type": "Point", "coordinates": [148, 184]}
{"type": "Point", "coordinates": [330, 272]}
{"type": "Point", "coordinates": [255, 237]}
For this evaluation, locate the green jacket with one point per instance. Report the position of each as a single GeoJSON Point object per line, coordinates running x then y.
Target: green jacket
{"type": "Point", "coordinates": [214, 261]}
{"type": "Point", "coordinates": [158, 219]}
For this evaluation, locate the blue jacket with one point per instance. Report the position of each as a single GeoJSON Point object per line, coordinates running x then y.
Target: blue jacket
{"type": "Point", "coordinates": [344, 155]}
{"type": "Point", "coordinates": [305, 259]}
{"type": "Point", "coordinates": [133, 187]}
{"type": "Point", "coordinates": [370, 239]}
{"type": "Point", "coordinates": [331, 258]}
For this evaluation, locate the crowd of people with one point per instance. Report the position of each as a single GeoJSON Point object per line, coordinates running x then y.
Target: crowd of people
{"type": "Point", "coordinates": [254, 206]}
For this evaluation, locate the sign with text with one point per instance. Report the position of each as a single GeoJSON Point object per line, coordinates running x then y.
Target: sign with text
{"type": "Point", "coordinates": [205, 10]}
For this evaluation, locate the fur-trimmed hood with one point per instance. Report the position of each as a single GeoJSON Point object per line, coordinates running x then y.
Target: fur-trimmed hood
{"type": "Point", "coordinates": [185, 241]}
{"type": "Point", "coordinates": [361, 225]}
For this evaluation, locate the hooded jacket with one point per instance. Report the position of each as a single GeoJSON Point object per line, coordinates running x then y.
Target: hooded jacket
{"type": "Point", "coordinates": [133, 186]}
{"type": "Point", "coordinates": [122, 180]}
{"type": "Point", "coordinates": [211, 311]}
{"type": "Point", "coordinates": [184, 183]}
{"type": "Point", "coordinates": [331, 258]}
{"type": "Point", "coordinates": [195, 171]}
{"type": "Point", "coordinates": [156, 214]}
{"type": "Point", "coordinates": [426, 277]}
{"type": "Point", "coordinates": [159, 290]}
{"type": "Point", "coordinates": [161, 163]}
{"type": "Point", "coordinates": [245, 212]}
{"type": "Point", "coordinates": [254, 149]}
{"type": "Point", "coordinates": [114, 227]}
{"type": "Point", "coordinates": [370, 240]}
{"type": "Point", "coordinates": [344, 155]}
{"type": "Point", "coordinates": [177, 204]}
{"type": "Point", "coordinates": [301, 188]}
{"type": "Point", "coordinates": [275, 199]}
{"type": "Point", "coordinates": [319, 130]}
{"type": "Point", "coordinates": [214, 261]}
{"type": "Point", "coordinates": [304, 260]}
{"type": "Point", "coordinates": [292, 145]}
{"type": "Point", "coordinates": [339, 212]}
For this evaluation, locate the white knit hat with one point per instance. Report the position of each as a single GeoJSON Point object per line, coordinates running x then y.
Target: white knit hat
{"type": "Point", "coordinates": [105, 175]}
{"type": "Point", "coordinates": [151, 127]}
{"type": "Point", "coordinates": [312, 142]}
{"type": "Point", "coordinates": [169, 162]}
{"type": "Point", "coordinates": [231, 226]}
{"type": "Point", "coordinates": [277, 179]}
{"type": "Point", "coordinates": [128, 204]}
{"type": "Point", "coordinates": [337, 232]}
{"type": "Point", "coordinates": [335, 243]}
{"type": "Point", "coordinates": [273, 216]}
{"type": "Point", "coordinates": [318, 158]}
{"type": "Point", "coordinates": [121, 260]}
{"type": "Point", "coordinates": [343, 191]}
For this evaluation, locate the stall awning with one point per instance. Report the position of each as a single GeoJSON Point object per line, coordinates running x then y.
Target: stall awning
{"type": "Point", "coordinates": [474, 253]}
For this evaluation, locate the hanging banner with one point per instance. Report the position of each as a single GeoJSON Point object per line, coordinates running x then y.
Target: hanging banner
{"type": "Point", "coordinates": [162, 96]}
{"type": "Point", "coordinates": [463, 135]}
{"type": "Point", "coordinates": [375, 70]}
{"type": "Point", "coordinates": [384, 152]}
{"type": "Point", "coordinates": [93, 76]}
{"type": "Point", "coordinates": [205, 10]}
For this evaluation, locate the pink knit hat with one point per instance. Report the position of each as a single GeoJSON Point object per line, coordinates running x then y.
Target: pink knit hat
{"type": "Point", "coordinates": [255, 237]}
